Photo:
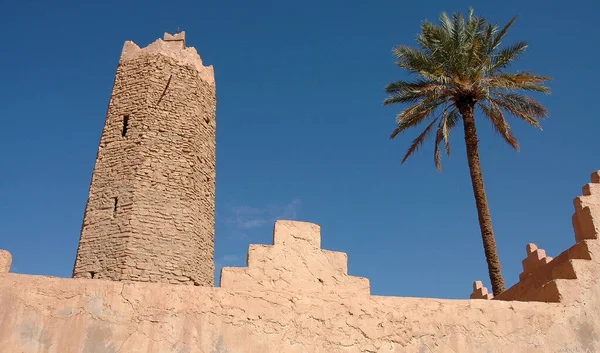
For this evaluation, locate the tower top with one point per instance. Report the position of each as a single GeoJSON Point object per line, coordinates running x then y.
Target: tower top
{"type": "Point", "coordinates": [179, 36]}
{"type": "Point", "coordinates": [173, 46]}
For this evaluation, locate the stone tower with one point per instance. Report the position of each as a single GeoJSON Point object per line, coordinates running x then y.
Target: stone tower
{"type": "Point", "coordinates": [150, 210]}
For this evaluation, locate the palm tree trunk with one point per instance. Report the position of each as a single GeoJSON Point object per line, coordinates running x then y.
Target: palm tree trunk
{"type": "Point", "coordinates": [483, 212]}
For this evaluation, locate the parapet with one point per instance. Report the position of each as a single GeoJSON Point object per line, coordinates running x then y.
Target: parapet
{"type": "Point", "coordinates": [174, 47]}
{"type": "Point", "coordinates": [559, 279]}
{"type": "Point", "coordinates": [295, 262]}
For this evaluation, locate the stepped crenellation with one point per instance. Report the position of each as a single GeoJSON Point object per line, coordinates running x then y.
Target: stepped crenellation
{"type": "Point", "coordinates": [547, 279]}
{"type": "Point", "coordinates": [294, 262]}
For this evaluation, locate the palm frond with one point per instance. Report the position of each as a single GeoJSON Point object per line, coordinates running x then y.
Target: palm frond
{"type": "Point", "coordinates": [417, 142]}
{"type": "Point", "coordinates": [458, 30]}
{"type": "Point", "coordinates": [487, 37]}
{"type": "Point", "coordinates": [415, 114]}
{"type": "Point", "coordinates": [446, 23]}
{"type": "Point", "coordinates": [412, 59]}
{"type": "Point", "coordinates": [451, 33]}
{"type": "Point", "coordinates": [519, 81]}
{"type": "Point", "coordinates": [474, 57]}
{"type": "Point", "coordinates": [470, 14]}
{"type": "Point", "coordinates": [495, 116]}
{"type": "Point", "coordinates": [451, 121]}
{"type": "Point", "coordinates": [522, 107]}
{"type": "Point", "coordinates": [446, 124]}
{"type": "Point", "coordinates": [406, 92]}
{"type": "Point", "coordinates": [430, 37]}
{"type": "Point", "coordinates": [507, 55]}
{"type": "Point", "coordinates": [500, 35]}
{"type": "Point", "coordinates": [416, 61]}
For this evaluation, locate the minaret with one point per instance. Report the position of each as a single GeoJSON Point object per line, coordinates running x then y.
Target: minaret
{"type": "Point", "coordinates": [150, 210]}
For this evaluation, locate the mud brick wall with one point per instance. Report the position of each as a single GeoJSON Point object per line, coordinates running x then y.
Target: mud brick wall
{"type": "Point", "coordinates": [292, 298]}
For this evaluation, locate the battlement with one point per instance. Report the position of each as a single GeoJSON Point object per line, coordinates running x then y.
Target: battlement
{"type": "Point", "coordinates": [294, 262]}
{"type": "Point", "coordinates": [174, 47]}
{"type": "Point", "coordinates": [547, 279]}
{"type": "Point", "coordinates": [177, 38]}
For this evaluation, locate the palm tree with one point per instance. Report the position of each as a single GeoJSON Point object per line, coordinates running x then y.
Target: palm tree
{"type": "Point", "coordinates": [460, 67]}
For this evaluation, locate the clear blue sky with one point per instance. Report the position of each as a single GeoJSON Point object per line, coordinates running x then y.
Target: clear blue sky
{"type": "Point", "coordinates": [301, 132]}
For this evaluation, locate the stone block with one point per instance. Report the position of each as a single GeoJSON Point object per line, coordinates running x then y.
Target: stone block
{"type": "Point", "coordinates": [176, 36]}
{"type": "Point", "coordinates": [293, 234]}
{"type": "Point", "coordinates": [175, 41]}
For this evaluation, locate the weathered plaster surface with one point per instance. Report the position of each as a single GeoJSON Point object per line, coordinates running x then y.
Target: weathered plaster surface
{"type": "Point", "coordinates": [42, 314]}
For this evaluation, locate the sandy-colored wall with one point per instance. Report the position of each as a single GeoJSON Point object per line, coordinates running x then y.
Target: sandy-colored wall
{"type": "Point", "coordinates": [295, 297]}
{"type": "Point", "coordinates": [40, 314]}
{"type": "Point", "coordinates": [150, 210]}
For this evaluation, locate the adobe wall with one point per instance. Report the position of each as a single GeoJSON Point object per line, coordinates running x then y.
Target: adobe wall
{"type": "Point", "coordinates": [295, 297]}
{"type": "Point", "coordinates": [41, 314]}
{"type": "Point", "coordinates": [150, 210]}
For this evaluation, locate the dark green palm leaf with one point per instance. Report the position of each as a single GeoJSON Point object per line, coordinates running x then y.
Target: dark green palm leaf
{"type": "Point", "coordinates": [500, 35]}
{"type": "Point", "coordinates": [507, 55]}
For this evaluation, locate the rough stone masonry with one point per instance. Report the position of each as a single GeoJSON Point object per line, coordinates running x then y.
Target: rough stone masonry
{"type": "Point", "coordinates": [150, 210]}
